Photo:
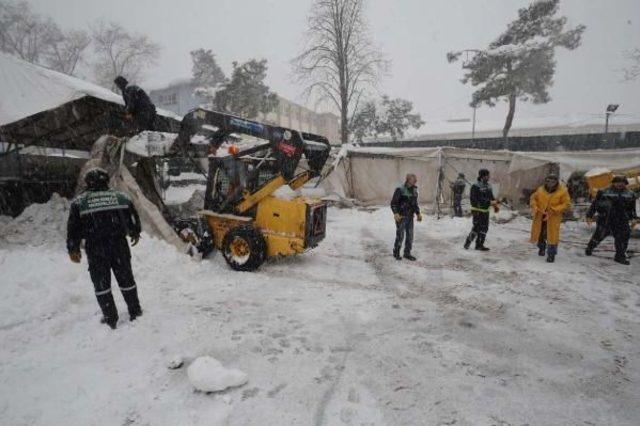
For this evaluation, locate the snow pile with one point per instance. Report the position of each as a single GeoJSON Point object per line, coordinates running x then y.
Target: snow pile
{"type": "Point", "coordinates": [504, 215]}
{"type": "Point", "coordinates": [38, 224]}
{"type": "Point", "coordinates": [207, 374]}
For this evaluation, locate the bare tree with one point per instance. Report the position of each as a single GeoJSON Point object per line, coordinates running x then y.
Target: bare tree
{"type": "Point", "coordinates": [632, 72]}
{"type": "Point", "coordinates": [339, 62]}
{"type": "Point", "coordinates": [24, 33]}
{"type": "Point", "coordinates": [67, 51]}
{"type": "Point", "coordinates": [119, 52]}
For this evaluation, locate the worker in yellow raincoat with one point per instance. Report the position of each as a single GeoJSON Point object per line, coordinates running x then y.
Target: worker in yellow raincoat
{"type": "Point", "coordinates": [548, 203]}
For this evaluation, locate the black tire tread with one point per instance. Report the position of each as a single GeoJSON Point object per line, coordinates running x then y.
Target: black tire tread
{"type": "Point", "coordinates": [257, 244]}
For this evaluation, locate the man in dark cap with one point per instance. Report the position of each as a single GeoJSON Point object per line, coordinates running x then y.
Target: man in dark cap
{"type": "Point", "coordinates": [482, 200]}
{"type": "Point", "coordinates": [457, 190]}
{"type": "Point", "coordinates": [615, 208]}
{"type": "Point", "coordinates": [103, 218]}
{"type": "Point", "coordinates": [137, 104]}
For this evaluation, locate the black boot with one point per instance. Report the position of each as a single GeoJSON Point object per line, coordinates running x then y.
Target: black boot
{"type": "Point", "coordinates": [589, 250]}
{"type": "Point", "coordinates": [396, 255]}
{"type": "Point", "coordinates": [109, 311]}
{"type": "Point", "coordinates": [409, 257]}
{"type": "Point", "coordinates": [621, 260]}
{"type": "Point", "coordinates": [469, 240]}
{"type": "Point", "coordinates": [135, 314]}
{"type": "Point", "coordinates": [551, 258]}
{"type": "Point", "coordinates": [480, 243]}
{"type": "Point", "coordinates": [541, 251]}
{"type": "Point", "coordinates": [130, 295]}
{"type": "Point", "coordinates": [110, 323]}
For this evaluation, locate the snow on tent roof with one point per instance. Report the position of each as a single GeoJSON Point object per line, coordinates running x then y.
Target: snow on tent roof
{"type": "Point", "coordinates": [27, 89]}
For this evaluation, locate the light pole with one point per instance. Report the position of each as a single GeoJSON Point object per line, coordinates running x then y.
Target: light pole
{"type": "Point", "coordinates": [611, 108]}
{"type": "Point", "coordinates": [473, 126]}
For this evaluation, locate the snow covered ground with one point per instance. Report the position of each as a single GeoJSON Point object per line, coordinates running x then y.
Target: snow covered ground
{"type": "Point", "coordinates": [341, 335]}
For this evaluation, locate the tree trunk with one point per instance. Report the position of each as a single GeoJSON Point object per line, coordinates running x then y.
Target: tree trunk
{"type": "Point", "coordinates": [344, 122]}
{"type": "Point", "coordinates": [509, 121]}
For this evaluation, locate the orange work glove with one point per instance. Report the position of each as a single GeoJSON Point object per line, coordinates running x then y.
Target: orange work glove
{"type": "Point", "coordinates": [397, 217]}
{"type": "Point", "coordinates": [75, 256]}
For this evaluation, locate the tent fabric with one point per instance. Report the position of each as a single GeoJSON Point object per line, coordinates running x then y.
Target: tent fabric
{"type": "Point", "coordinates": [370, 175]}
{"type": "Point", "coordinates": [27, 89]}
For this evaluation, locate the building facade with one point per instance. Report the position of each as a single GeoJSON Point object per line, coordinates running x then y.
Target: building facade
{"type": "Point", "coordinates": [180, 97]}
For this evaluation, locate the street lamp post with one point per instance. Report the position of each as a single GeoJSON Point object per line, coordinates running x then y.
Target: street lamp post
{"type": "Point", "coordinates": [611, 108]}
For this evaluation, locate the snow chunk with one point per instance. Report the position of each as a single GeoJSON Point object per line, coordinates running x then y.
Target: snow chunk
{"type": "Point", "coordinates": [285, 193]}
{"type": "Point", "coordinates": [207, 374]}
{"type": "Point", "coordinates": [175, 362]}
{"type": "Point", "coordinates": [504, 215]}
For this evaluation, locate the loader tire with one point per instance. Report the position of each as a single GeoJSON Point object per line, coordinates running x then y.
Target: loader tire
{"type": "Point", "coordinates": [244, 248]}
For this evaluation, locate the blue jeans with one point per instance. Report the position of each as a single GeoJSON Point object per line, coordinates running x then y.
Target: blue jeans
{"type": "Point", "coordinates": [404, 228]}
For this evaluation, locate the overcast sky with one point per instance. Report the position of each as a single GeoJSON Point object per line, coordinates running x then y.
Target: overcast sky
{"type": "Point", "coordinates": [414, 34]}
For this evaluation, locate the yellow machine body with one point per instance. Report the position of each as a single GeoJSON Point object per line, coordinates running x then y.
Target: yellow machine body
{"type": "Point", "coordinates": [285, 224]}
{"type": "Point", "coordinates": [603, 180]}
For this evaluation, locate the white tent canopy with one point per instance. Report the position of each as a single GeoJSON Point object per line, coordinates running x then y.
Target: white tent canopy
{"type": "Point", "coordinates": [371, 174]}
{"type": "Point", "coordinates": [27, 89]}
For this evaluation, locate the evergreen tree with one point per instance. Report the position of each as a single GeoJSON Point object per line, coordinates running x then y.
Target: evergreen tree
{"type": "Point", "coordinates": [389, 117]}
{"type": "Point", "coordinates": [245, 93]}
{"type": "Point", "coordinates": [520, 63]}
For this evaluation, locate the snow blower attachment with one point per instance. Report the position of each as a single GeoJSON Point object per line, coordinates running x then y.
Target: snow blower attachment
{"type": "Point", "coordinates": [248, 223]}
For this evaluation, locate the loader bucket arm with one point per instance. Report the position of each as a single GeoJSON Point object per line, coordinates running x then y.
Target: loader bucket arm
{"type": "Point", "coordinates": [284, 146]}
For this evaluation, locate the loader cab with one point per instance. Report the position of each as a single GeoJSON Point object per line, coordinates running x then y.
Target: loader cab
{"type": "Point", "coordinates": [229, 178]}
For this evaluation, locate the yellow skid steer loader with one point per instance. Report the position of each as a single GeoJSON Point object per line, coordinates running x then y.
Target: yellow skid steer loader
{"type": "Point", "coordinates": [248, 224]}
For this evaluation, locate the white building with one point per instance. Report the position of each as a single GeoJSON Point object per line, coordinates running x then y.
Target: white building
{"type": "Point", "coordinates": [179, 97]}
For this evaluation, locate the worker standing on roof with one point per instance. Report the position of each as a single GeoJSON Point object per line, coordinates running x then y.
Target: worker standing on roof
{"type": "Point", "coordinates": [482, 199]}
{"type": "Point", "coordinates": [404, 205]}
{"type": "Point", "coordinates": [615, 208]}
{"type": "Point", "coordinates": [103, 218]}
{"type": "Point", "coordinates": [137, 104]}
{"type": "Point", "coordinates": [457, 189]}
{"type": "Point", "coordinates": [548, 203]}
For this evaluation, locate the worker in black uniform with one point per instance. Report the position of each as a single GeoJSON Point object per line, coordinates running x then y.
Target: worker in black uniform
{"type": "Point", "coordinates": [404, 205]}
{"type": "Point", "coordinates": [103, 218]}
{"type": "Point", "coordinates": [615, 208]}
{"type": "Point", "coordinates": [457, 190]}
{"type": "Point", "coordinates": [482, 199]}
{"type": "Point", "coordinates": [137, 104]}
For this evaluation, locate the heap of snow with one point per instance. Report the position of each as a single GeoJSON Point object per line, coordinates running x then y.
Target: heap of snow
{"type": "Point", "coordinates": [504, 215]}
{"type": "Point", "coordinates": [38, 224]}
{"type": "Point", "coordinates": [207, 374]}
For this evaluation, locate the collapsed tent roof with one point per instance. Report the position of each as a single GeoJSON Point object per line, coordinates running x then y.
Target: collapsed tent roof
{"type": "Point", "coordinates": [45, 107]}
